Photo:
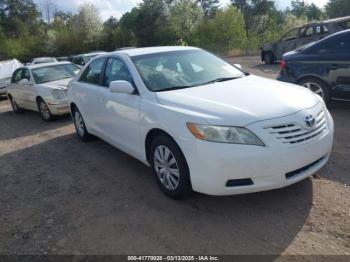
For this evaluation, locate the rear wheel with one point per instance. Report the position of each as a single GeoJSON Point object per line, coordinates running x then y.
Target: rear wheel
{"type": "Point", "coordinates": [170, 168]}
{"type": "Point", "coordinates": [317, 86]}
{"type": "Point", "coordinates": [44, 110]}
{"type": "Point", "coordinates": [268, 58]}
{"type": "Point", "coordinates": [80, 127]}
{"type": "Point", "coordinates": [14, 105]}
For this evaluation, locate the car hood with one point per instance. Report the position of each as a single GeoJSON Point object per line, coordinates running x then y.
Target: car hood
{"type": "Point", "coordinates": [240, 102]}
{"type": "Point", "coordinates": [59, 84]}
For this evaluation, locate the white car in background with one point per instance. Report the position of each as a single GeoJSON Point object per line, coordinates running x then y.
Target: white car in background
{"type": "Point", "coordinates": [43, 60]}
{"type": "Point", "coordinates": [42, 88]}
{"type": "Point", "coordinates": [201, 123]}
{"type": "Point", "coordinates": [6, 70]}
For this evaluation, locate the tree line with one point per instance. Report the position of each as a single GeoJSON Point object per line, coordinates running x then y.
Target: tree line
{"type": "Point", "coordinates": [28, 30]}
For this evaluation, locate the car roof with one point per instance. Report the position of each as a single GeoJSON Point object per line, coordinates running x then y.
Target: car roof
{"type": "Point", "coordinates": [335, 20]}
{"type": "Point", "coordinates": [43, 58]}
{"type": "Point", "coordinates": [152, 50]}
{"type": "Point", "coordinates": [329, 21]}
{"type": "Point", "coordinates": [90, 54]}
{"type": "Point", "coordinates": [34, 66]}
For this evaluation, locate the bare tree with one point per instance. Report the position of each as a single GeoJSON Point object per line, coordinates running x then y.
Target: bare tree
{"type": "Point", "coordinates": [49, 10]}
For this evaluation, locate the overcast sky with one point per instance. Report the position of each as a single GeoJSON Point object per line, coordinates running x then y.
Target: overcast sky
{"type": "Point", "coordinates": [117, 8]}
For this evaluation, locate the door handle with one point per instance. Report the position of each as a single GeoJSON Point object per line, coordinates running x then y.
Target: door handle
{"type": "Point", "coordinates": [101, 98]}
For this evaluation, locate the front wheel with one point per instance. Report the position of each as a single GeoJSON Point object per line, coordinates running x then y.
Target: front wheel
{"type": "Point", "coordinates": [14, 105]}
{"type": "Point", "coordinates": [170, 168]}
{"type": "Point", "coordinates": [44, 110]}
{"type": "Point", "coordinates": [80, 127]}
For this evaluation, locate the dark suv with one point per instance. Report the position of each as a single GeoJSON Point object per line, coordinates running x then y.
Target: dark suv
{"type": "Point", "coordinates": [300, 36]}
{"type": "Point", "coordinates": [323, 67]}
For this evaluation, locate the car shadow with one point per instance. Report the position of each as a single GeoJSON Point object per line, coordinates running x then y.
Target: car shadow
{"type": "Point", "coordinates": [68, 197]}
{"type": "Point", "coordinates": [26, 123]}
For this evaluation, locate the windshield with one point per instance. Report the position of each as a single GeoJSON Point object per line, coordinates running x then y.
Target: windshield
{"type": "Point", "coordinates": [53, 73]}
{"type": "Point", "coordinates": [183, 69]}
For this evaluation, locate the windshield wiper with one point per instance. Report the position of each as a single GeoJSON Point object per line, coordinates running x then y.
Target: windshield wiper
{"type": "Point", "coordinates": [174, 88]}
{"type": "Point", "coordinates": [221, 79]}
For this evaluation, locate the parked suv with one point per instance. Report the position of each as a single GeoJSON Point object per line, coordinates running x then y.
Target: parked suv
{"type": "Point", "coordinates": [322, 67]}
{"type": "Point", "coordinates": [301, 36]}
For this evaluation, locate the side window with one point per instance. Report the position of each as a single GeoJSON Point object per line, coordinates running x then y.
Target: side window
{"type": "Point", "coordinates": [344, 25]}
{"type": "Point", "coordinates": [116, 70]}
{"type": "Point", "coordinates": [17, 76]}
{"type": "Point", "coordinates": [26, 74]}
{"type": "Point", "coordinates": [325, 29]}
{"type": "Point", "coordinates": [308, 31]}
{"type": "Point", "coordinates": [93, 72]}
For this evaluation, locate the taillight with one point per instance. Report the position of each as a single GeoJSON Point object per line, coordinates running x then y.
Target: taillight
{"type": "Point", "coordinates": [283, 64]}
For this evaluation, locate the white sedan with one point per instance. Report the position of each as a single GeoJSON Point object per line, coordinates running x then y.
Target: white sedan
{"type": "Point", "coordinates": [42, 88]}
{"type": "Point", "coordinates": [202, 124]}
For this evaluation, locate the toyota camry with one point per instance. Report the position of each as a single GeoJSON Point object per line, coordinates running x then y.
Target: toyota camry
{"type": "Point", "coordinates": [201, 123]}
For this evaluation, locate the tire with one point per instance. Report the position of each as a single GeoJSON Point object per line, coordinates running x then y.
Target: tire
{"type": "Point", "coordinates": [80, 127]}
{"type": "Point", "coordinates": [173, 177]}
{"type": "Point", "coordinates": [16, 109]}
{"type": "Point", "coordinates": [44, 110]}
{"type": "Point", "coordinates": [318, 87]}
{"type": "Point", "coordinates": [268, 58]}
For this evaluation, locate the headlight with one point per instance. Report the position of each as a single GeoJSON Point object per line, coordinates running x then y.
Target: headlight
{"type": "Point", "coordinates": [57, 94]}
{"type": "Point", "coordinates": [224, 134]}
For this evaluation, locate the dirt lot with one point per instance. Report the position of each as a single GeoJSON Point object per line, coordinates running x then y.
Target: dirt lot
{"type": "Point", "coordinates": [61, 196]}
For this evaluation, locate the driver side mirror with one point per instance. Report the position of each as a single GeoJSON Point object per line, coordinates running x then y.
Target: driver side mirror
{"type": "Point", "coordinates": [24, 82]}
{"type": "Point", "coordinates": [122, 87]}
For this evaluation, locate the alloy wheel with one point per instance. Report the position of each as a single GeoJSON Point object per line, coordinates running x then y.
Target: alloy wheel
{"type": "Point", "coordinates": [79, 123]}
{"type": "Point", "coordinates": [166, 167]}
{"type": "Point", "coordinates": [44, 110]}
{"type": "Point", "coordinates": [314, 87]}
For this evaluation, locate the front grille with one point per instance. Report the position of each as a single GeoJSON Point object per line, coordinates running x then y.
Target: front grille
{"type": "Point", "coordinates": [303, 169]}
{"type": "Point", "coordinates": [294, 133]}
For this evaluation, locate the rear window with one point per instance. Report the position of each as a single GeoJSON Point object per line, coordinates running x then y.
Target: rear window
{"type": "Point", "coordinates": [344, 25]}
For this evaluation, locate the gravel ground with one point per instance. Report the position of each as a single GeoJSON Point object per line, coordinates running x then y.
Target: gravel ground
{"type": "Point", "coordinates": [61, 196]}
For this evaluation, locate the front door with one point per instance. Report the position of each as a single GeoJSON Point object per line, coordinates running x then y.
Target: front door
{"type": "Point", "coordinates": [89, 94]}
{"type": "Point", "coordinates": [28, 92]}
{"type": "Point", "coordinates": [120, 117]}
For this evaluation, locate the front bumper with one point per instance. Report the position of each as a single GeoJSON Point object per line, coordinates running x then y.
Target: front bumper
{"type": "Point", "coordinates": [61, 108]}
{"type": "Point", "coordinates": [273, 166]}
